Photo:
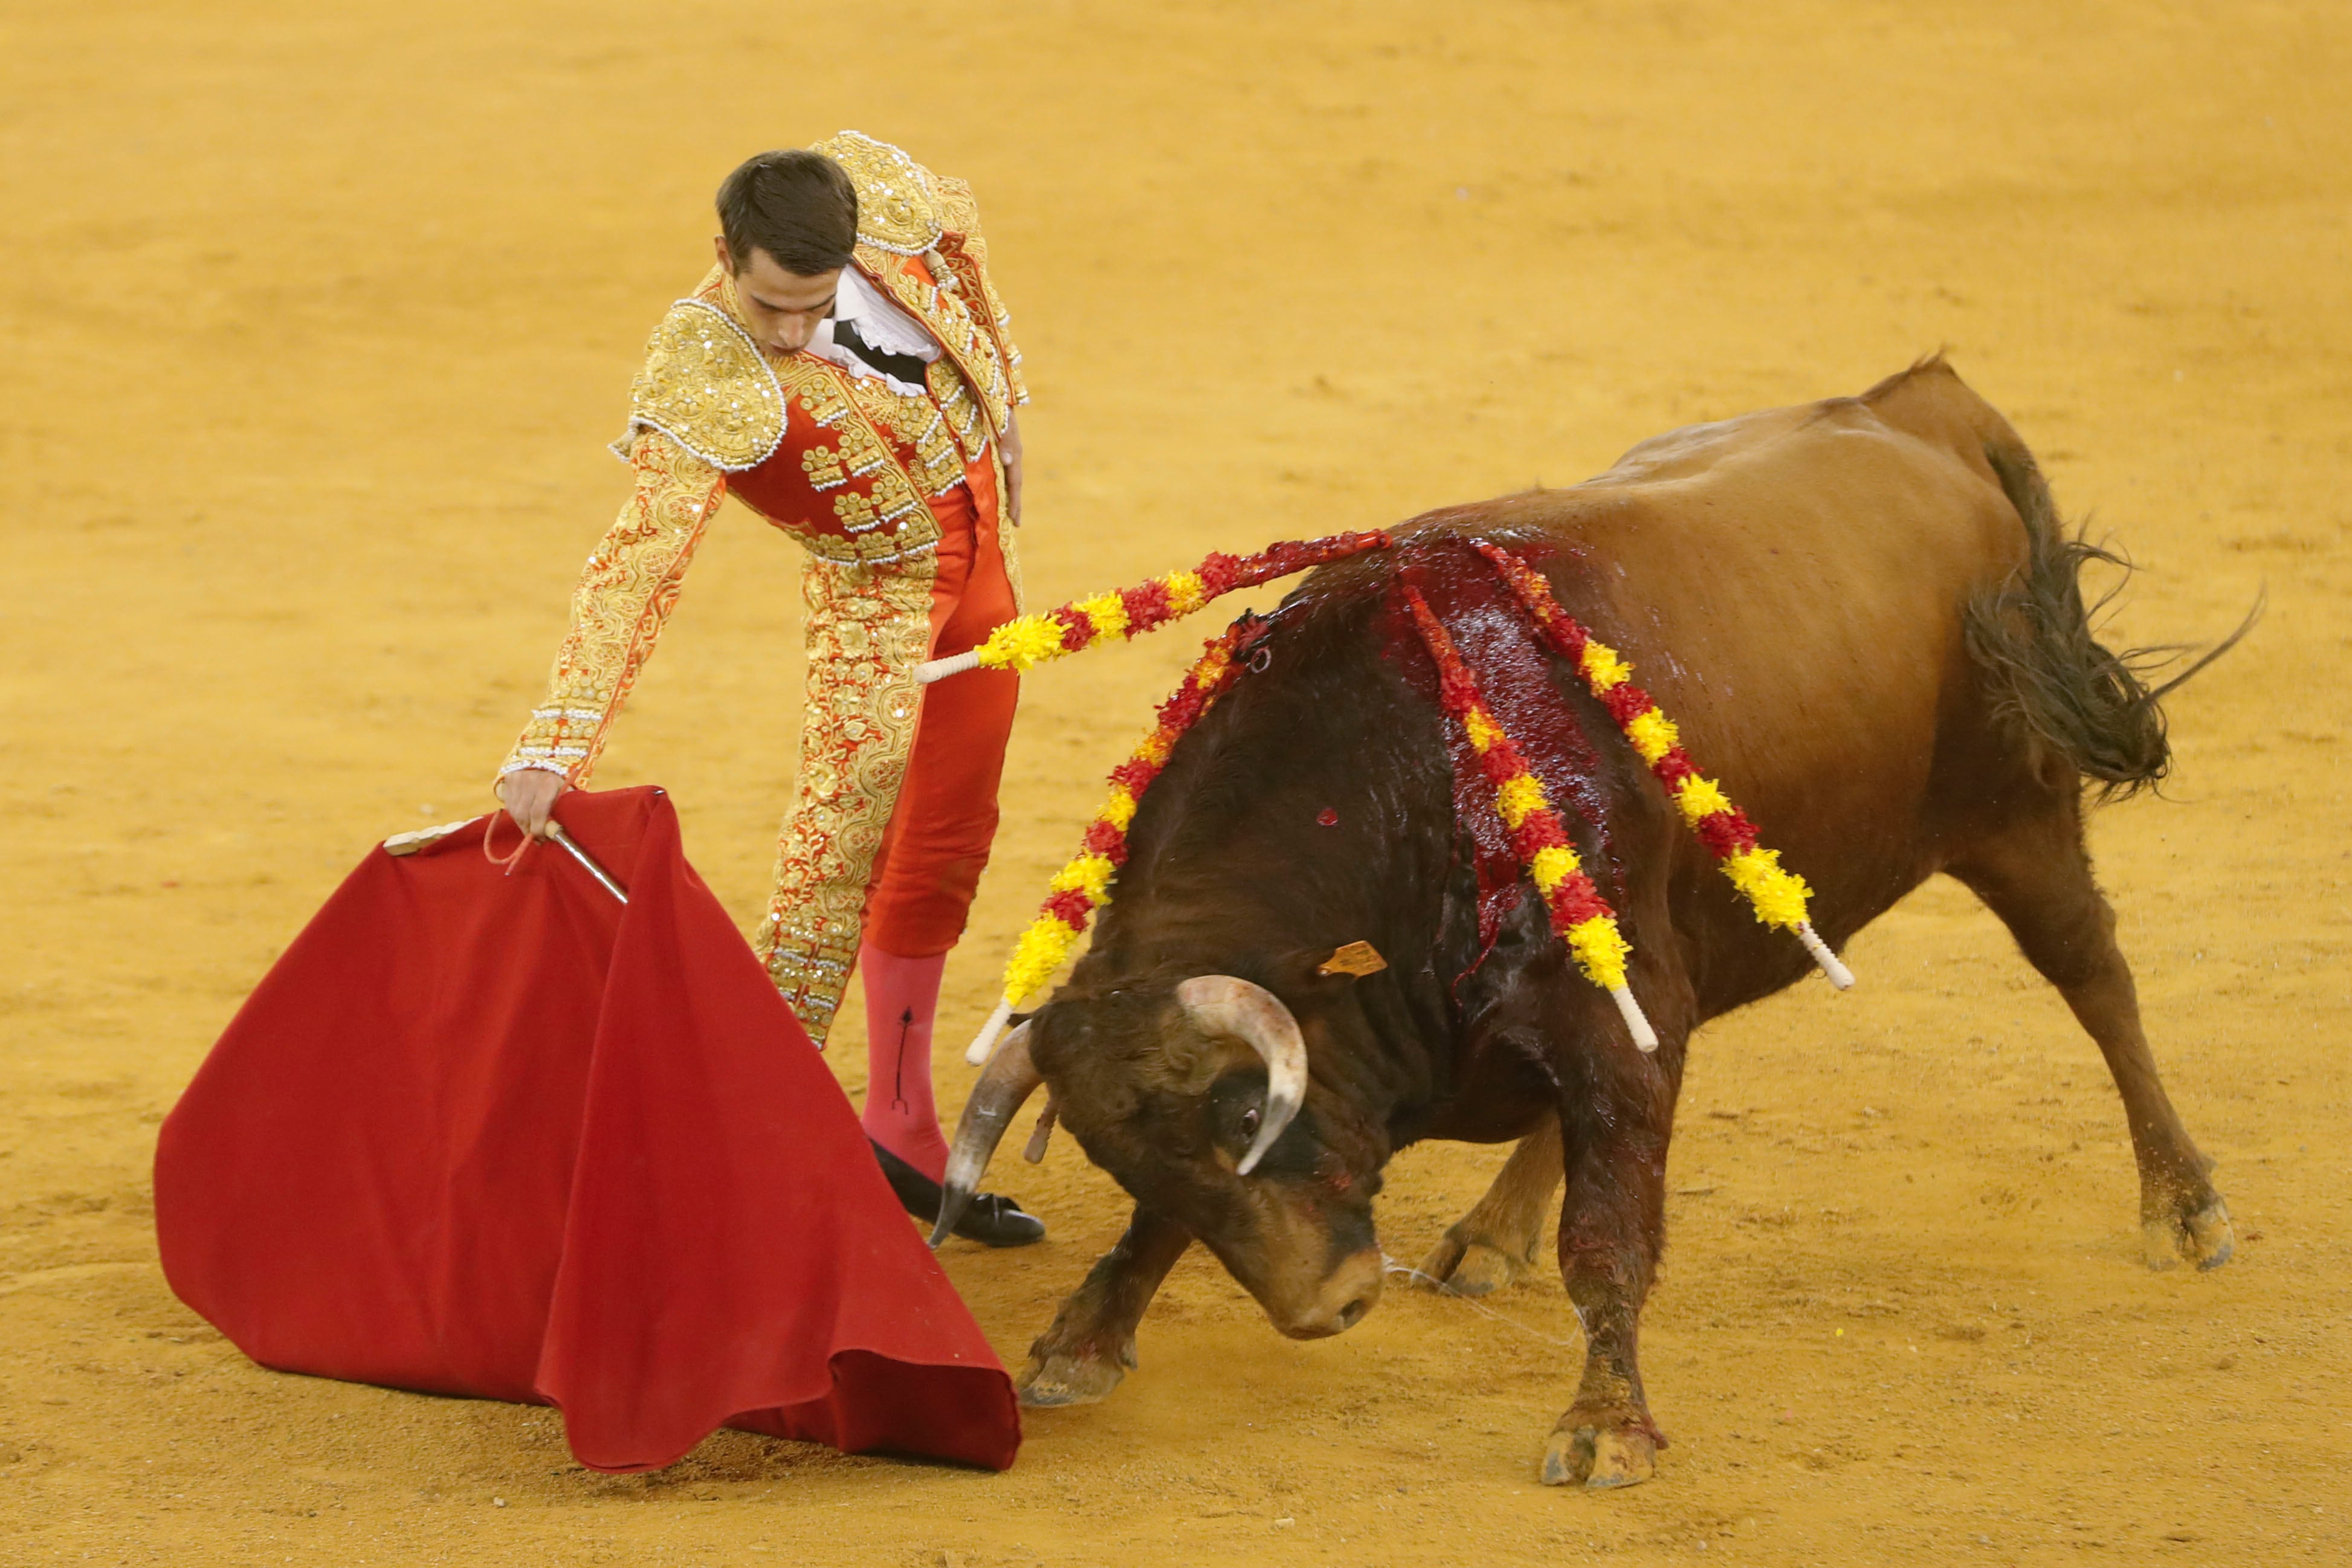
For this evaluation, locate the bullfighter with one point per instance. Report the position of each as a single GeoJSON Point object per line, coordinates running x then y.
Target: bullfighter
{"type": "Point", "coordinates": [847, 371]}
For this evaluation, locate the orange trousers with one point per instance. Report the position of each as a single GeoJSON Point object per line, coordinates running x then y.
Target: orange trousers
{"type": "Point", "coordinates": [937, 844]}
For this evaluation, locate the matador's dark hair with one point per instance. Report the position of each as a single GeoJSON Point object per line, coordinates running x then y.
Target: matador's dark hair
{"type": "Point", "coordinates": [797, 205]}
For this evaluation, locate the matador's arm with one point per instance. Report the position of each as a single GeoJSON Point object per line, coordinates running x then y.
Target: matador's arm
{"type": "Point", "coordinates": [624, 594]}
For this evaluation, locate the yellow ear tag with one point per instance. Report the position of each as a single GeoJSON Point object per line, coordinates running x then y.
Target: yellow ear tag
{"type": "Point", "coordinates": [1358, 958]}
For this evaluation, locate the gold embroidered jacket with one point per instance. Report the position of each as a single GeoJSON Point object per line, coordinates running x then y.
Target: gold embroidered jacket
{"type": "Point", "coordinates": [844, 463]}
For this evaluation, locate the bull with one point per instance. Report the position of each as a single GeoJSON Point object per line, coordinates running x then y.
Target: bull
{"type": "Point", "coordinates": [1866, 618]}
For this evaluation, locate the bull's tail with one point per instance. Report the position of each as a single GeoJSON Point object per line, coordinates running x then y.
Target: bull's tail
{"type": "Point", "coordinates": [2049, 674]}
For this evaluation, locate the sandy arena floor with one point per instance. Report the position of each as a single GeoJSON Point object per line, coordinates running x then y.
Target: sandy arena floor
{"type": "Point", "coordinates": [314, 320]}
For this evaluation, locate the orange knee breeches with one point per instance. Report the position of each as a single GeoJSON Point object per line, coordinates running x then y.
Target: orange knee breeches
{"type": "Point", "coordinates": [937, 841]}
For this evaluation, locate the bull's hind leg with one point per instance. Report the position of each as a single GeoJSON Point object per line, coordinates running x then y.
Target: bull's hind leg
{"type": "Point", "coordinates": [1614, 1126]}
{"type": "Point", "coordinates": [1091, 1344]}
{"type": "Point", "coordinates": [2037, 877]}
{"type": "Point", "coordinates": [1489, 1247]}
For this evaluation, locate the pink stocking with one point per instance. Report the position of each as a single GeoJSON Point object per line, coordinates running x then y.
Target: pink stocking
{"type": "Point", "coordinates": [902, 997]}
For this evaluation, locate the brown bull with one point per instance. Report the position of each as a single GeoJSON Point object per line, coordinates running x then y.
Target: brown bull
{"type": "Point", "coordinates": [1865, 616]}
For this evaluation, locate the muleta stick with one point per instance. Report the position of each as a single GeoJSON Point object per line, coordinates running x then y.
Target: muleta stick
{"type": "Point", "coordinates": [1033, 640]}
{"type": "Point", "coordinates": [1579, 915]}
{"type": "Point", "coordinates": [421, 839]}
{"type": "Point", "coordinates": [1777, 894]}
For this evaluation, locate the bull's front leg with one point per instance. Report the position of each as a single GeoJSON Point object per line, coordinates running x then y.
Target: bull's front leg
{"type": "Point", "coordinates": [1091, 1344]}
{"type": "Point", "coordinates": [1612, 1229]}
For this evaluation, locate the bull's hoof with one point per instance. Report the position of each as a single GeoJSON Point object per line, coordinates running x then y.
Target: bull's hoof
{"type": "Point", "coordinates": [1463, 1266]}
{"type": "Point", "coordinates": [1056, 1380]}
{"type": "Point", "coordinates": [2203, 1238]}
{"type": "Point", "coordinates": [1600, 1457]}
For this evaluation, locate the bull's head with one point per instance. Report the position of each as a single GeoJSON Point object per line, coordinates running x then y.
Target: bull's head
{"type": "Point", "coordinates": [1191, 1099]}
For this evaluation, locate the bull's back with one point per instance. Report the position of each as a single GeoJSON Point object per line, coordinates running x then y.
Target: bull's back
{"type": "Point", "coordinates": [1791, 585]}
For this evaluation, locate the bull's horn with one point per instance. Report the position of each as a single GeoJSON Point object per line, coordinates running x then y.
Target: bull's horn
{"type": "Point", "coordinates": [1221, 1004]}
{"type": "Point", "coordinates": [1007, 1081]}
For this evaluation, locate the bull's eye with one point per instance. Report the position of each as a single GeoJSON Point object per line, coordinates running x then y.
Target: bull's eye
{"type": "Point", "coordinates": [1235, 1112]}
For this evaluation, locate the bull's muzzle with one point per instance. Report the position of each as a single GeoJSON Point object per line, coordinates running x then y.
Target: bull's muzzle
{"type": "Point", "coordinates": [1341, 1302]}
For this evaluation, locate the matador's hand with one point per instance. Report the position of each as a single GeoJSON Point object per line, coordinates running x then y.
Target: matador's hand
{"type": "Point", "coordinates": [530, 795]}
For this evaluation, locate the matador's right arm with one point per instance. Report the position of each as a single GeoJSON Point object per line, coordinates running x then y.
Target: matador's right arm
{"type": "Point", "coordinates": [625, 593]}
{"type": "Point", "coordinates": [705, 406]}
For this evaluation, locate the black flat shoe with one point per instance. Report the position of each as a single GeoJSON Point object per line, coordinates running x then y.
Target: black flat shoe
{"type": "Point", "coordinates": [991, 1217]}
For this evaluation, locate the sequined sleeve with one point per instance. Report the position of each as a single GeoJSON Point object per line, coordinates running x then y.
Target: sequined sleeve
{"type": "Point", "coordinates": [625, 593]}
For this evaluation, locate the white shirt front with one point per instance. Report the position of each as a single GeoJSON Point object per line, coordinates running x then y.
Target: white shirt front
{"type": "Point", "coordinates": [880, 323]}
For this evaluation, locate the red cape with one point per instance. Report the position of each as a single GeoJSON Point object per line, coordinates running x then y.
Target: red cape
{"type": "Point", "coordinates": [497, 1135]}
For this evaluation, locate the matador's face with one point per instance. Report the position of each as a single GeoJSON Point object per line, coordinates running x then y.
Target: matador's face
{"type": "Point", "coordinates": [781, 308]}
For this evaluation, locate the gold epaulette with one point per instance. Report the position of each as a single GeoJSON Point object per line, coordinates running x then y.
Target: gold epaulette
{"type": "Point", "coordinates": [706, 386]}
{"type": "Point", "coordinates": [896, 209]}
